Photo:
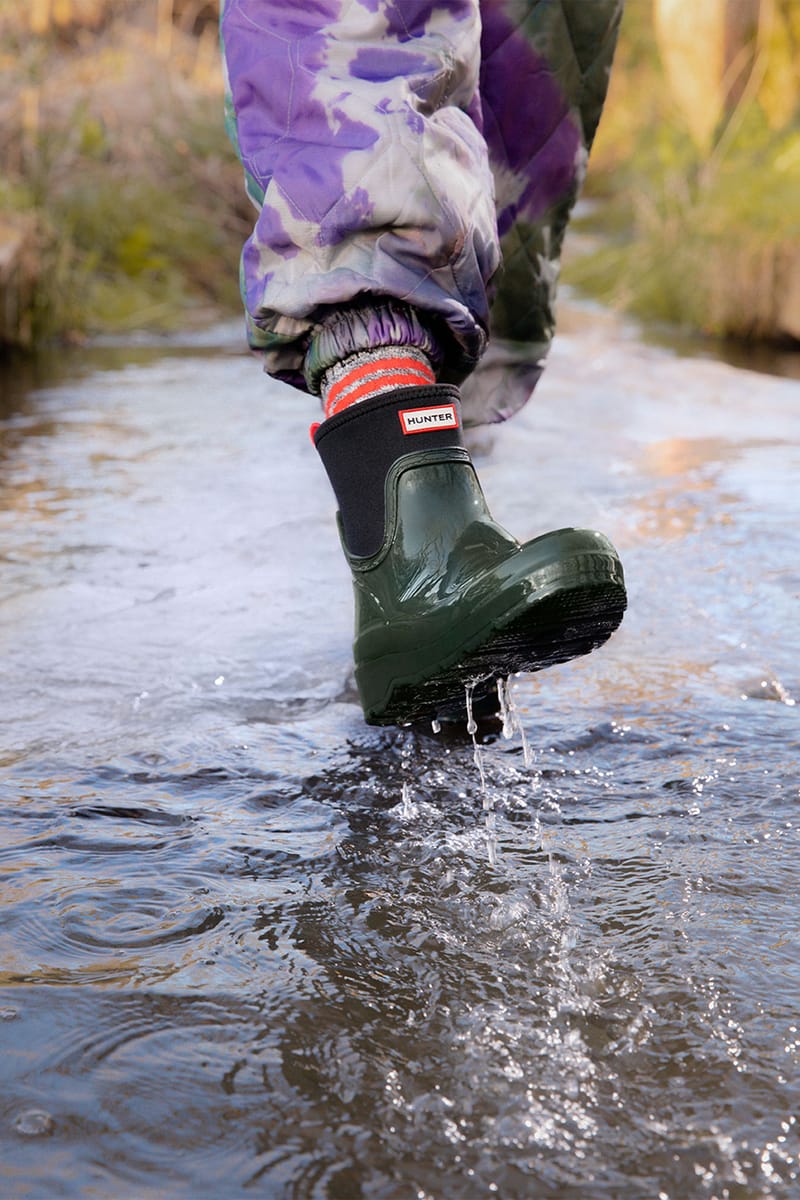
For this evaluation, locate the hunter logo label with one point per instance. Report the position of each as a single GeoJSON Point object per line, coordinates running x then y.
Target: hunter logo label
{"type": "Point", "coordinates": [422, 420]}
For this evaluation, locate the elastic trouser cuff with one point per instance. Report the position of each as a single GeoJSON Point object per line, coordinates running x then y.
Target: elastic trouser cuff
{"type": "Point", "coordinates": [365, 326]}
{"type": "Point", "coordinates": [359, 445]}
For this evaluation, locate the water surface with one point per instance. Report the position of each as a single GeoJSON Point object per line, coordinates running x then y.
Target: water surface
{"type": "Point", "coordinates": [235, 961]}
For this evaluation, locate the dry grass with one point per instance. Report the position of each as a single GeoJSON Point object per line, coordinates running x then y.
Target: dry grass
{"type": "Point", "coordinates": [121, 202]}
{"type": "Point", "coordinates": [703, 237]}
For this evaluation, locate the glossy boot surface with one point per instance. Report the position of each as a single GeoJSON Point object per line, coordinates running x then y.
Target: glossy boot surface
{"type": "Point", "coordinates": [449, 598]}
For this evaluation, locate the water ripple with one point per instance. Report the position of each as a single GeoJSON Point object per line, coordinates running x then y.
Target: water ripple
{"type": "Point", "coordinates": [250, 946]}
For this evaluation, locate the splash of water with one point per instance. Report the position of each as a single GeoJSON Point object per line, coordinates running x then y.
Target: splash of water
{"type": "Point", "coordinates": [507, 713]}
{"type": "Point", "coordinates": [491, 837]}
{"type": "Point", "coordinates": [490, 820]}
{"type": "Point", "coordinates": [511, 719]}
{"type": "Point", "coordinates": [472, 729]}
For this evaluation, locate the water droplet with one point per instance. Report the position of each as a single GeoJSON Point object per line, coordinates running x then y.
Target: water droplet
{"type": "Point", "coordinates": [510, 716]}
{"type": "Point", "coordinates": [506, 709]}
{"type": "Point", "coordinates": [477, 756]}
{"type": "Point", "coordinates": [491, 838]}
{"type": "Point", "coordinates": [34, 1122]}
{"type": "Point", "coordinates": [472, 727]}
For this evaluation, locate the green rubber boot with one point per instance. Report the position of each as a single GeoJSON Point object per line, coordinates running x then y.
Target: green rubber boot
{"type": "Point", "coordinates": [444, 596]}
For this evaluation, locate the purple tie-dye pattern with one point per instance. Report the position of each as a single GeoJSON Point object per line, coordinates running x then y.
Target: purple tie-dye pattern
{"type": "Point", "coordinates": [375, 181]}
{"type": "Point", "coordinates": [378, 65]}
{"type": "Point", "coordinates": [283, 130]}
{"type": "Point", "coordinates": [271, 228]}
{"type": "Point", "coordinates": [529, 128]}
{"type": "Point", "coordinates": [374, 128]}
{"type": "Point", "coordinates": [408, 19]}
{"type": "Point", "coordinates": [352, 212]}
{"type": "Point", "coordinates": [474, 111]}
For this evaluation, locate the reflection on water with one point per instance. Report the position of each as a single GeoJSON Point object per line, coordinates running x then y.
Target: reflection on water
{"type": "Point", "coordinates": [251, 946]}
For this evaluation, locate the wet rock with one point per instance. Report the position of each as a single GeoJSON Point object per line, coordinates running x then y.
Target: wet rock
{"type": "Point", "coordinates": [767, 688]}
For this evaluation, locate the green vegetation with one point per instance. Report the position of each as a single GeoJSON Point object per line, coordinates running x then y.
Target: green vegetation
{"type": "Point", "coordinates": [139, 253]}
{"type": "Point", "coordinates": [700, 228]}
{"type": "Point", "coordinates": [122, 205]}
{"type": "Point", "coordinates": [121, 202]}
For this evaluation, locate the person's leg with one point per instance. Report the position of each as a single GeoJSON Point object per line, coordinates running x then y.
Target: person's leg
{"type": "Point", "coordinates": [363, 130]}
{"type": "Point", "coordinates": [376, 226]}
{"type": "Point", "coordinates": [444, 596]}
{"type": "Point", "coordinates": [359, 128]}
{"type": "Point", "coordinates": [545, 66]}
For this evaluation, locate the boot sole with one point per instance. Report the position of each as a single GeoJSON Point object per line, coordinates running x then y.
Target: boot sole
{"type": "Point", "coordinates": [577, 612]}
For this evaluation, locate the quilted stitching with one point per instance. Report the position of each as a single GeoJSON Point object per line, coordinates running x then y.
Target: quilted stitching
{"type": "Point", "coordinates": [374, 171]}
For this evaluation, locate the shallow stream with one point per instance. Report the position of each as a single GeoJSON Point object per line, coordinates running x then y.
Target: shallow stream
{"type": "Point", "coordinates": [251, 946]}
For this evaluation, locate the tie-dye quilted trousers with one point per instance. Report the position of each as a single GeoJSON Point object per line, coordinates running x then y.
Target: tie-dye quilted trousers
{"type": "Point", "coordinates": [414, 164]}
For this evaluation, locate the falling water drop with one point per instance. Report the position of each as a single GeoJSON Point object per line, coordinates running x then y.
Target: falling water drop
{"type": "Point", "coordinates": [511, 720]}
{"type": "Point", "coordinates": [477, 756]}
{"type": "Point", "coordinates": [34, 1122]}
{"type": "Point", "coordinates": [491, 838]}
{"type": "Point", "coordinates": [506, 711]}
{"type": "Point", "coordinates": [472, 729]}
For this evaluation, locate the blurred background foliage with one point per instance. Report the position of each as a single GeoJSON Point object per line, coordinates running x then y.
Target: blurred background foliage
{"type": "Point", "coordinates": [122, 207]}
{"type": "Point", "coordinates": [697, 165]}
{"type": "Point", "coordinates": [121, 202]}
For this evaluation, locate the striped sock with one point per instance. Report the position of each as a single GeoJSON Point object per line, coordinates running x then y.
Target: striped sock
{"type": "Point", "coordinates": [370, 372]}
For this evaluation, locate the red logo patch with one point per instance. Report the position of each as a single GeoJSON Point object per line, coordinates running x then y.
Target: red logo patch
{"type": "Point", "coordinates": [423, 420]}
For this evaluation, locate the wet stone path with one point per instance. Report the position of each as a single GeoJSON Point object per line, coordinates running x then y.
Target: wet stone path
{"type": "Point", "coordinates": [251, 946]}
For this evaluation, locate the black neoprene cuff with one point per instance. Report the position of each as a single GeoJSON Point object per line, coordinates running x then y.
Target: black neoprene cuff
{"type": "Point", "coordinates": [358, 446]}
